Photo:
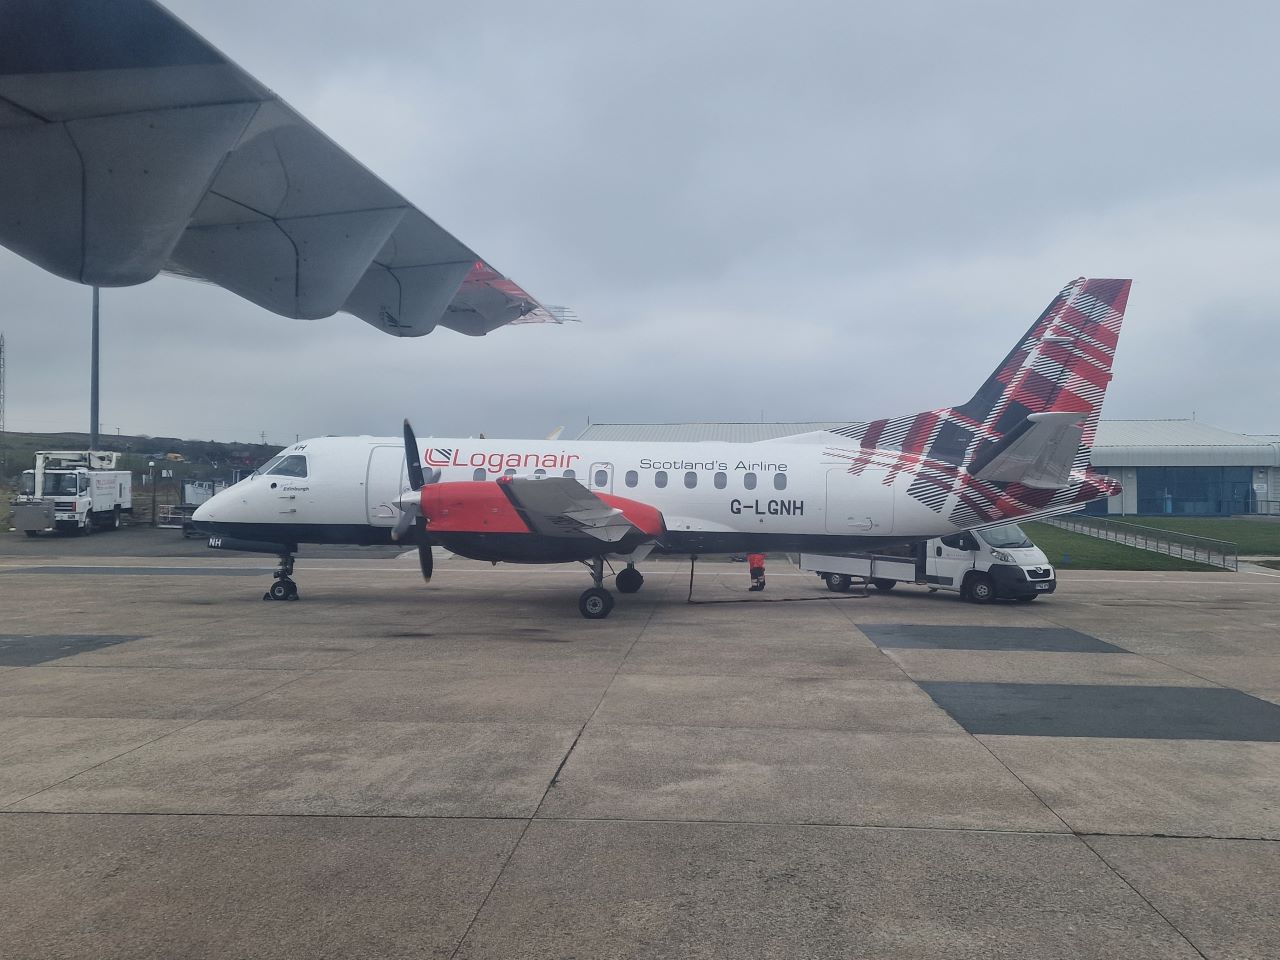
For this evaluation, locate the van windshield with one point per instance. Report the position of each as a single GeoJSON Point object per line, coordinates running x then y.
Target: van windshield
{"type": "Point", "coordinates": [1008, 536]}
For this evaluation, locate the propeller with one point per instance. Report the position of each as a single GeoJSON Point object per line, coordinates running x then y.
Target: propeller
{"type": "Point", "coordinates": [411, 503]}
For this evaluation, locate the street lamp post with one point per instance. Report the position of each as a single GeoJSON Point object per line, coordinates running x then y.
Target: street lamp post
{"type": "Point", "coordinates": [151, 465]}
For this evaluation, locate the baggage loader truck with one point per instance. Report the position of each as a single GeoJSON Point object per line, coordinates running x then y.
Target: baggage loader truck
{"type": "Point", "coordinates": [995, 563]}
{"type": "Point", "coordinates": [72, 491]}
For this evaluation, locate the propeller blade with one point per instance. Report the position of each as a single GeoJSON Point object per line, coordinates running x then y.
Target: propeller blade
{"type": "Point", "coordinates": [411, 457]}
{"type": "Point", "coordinates": [408, 514]}
{"type": "Point", "coordinates": [425, 560]}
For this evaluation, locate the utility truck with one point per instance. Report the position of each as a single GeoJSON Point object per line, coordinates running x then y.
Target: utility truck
{"type": "Point", "coordinates": [72, 491]}
{"type": "Point", "coordinates": [994, 563]}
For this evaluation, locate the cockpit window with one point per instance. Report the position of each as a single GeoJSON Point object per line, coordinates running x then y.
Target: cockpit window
{"type": "Point", "coordinates": [294, 465]}
{"type": "Point", "coordinates": [266, 467]}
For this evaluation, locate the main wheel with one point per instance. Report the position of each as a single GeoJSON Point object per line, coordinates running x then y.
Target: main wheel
{"type": "Point", "coordinates": [981, 589]}
{"type": "Point", "coordinates": [629, 580]}
{"type": "Point", "coordinates": [596, 603]}
{"type": "Point", "coordinates": [881, 584]}
{"type": "Point", "coordinates": [279, 590]}
{"type": "Point", "coordinates": [838, 582]}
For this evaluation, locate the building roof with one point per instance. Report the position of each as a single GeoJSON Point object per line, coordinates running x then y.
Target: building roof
{"type": "Point", "coordinates": [1179, 443]}
{"type": "Point", "coordinates": [1120, 443]}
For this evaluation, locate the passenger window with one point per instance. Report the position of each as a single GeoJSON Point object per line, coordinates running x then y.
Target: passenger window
{"type": "Point", "coordinates": [720, 480]}
{"type": "Point", "coordinates": [632, 478]}
{"type": "Point", "coordinates": [478, 473]}
{"type": "Point", "coordinates": [539, 472]}
{"type": "Point", "coordinates": [509, 472]}
{"type": "Point", "coordinates": [779, 481]}
{"type": "Point", "coordinates": [691, 479]}
{"type": "Point", "coordinates": [660, 478]}
{"type": "Point", "coordinates": [602, 478]}
{"type": "Point", "coordinates": [290, 466]}
{"type": "Point", "coordinates": [571, 474]}
{"type": "Point", "coordinates": [749, 481]}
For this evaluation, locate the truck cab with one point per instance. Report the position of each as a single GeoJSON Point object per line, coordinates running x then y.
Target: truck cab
{"type": "Point", "coordinates": [990, 564]}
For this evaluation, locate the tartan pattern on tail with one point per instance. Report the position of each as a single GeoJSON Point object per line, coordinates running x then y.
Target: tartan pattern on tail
{"type": "Point", "coordinates": [1063, 363]}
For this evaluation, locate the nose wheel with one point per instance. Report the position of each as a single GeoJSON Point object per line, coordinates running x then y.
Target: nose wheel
{"type": "Point", "coordinates": [597, 602]}
{"type": "Point", "coordinates": [284, 588]}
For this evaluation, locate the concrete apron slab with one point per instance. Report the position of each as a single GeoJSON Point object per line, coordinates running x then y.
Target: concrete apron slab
{"type": "Point", "coordinates": [637, 772]}
{"type": "Point", "coordinates": [1222, 894]}
{"type": "Point", "coordinates": [731, 890]}
{"type": "Point", "coordinates": [129, 887]}
{"type": "Point", "coordinates": [1198, 788]}
{"type": "Point", "coordinates": [977, 666]}
{"type": "Point", "coordinates": [325, 768]}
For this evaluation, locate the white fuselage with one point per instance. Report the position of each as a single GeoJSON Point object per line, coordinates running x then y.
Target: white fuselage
{"type": "Point", "coordinates": [787, 494]}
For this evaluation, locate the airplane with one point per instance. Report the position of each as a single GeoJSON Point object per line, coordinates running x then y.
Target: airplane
{"type": "Point", "coordinates": [1018, 449]}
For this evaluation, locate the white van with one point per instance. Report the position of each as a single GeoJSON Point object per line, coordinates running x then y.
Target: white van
{"type": "Point", "coordinates": [981, 565]}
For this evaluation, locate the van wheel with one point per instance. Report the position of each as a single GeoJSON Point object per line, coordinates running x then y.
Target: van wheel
{"type": "Point", "coordinates": [881, 584]}
{"type": "Point", "coordinates": [838, 582]}
{"type": "Point", "coordinates": [980, 588]}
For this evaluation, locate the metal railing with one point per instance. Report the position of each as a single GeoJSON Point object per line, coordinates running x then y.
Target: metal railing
{"type": "Point", "coordinates": [1214, 553]}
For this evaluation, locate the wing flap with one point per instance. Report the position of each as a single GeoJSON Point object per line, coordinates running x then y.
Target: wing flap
{"type": "Point", "coordinates": [563, 507]}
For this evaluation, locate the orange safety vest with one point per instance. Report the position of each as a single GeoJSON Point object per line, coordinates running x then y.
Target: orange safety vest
{"type": "Point", "coordinates": [755, 559]}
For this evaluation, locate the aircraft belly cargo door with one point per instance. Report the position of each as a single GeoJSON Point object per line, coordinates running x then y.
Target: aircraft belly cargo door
{"type": "Point", "coordinates": [383, 485]}
{"type": "Point", "coordinates": [859, 505]}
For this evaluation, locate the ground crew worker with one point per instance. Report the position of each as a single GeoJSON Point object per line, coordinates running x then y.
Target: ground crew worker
{"type": "Point", "coordinates": [756, 562]}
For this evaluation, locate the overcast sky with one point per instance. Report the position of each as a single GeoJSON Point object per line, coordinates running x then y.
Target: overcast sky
{"type": "Point", "coordinates": [803, 211]}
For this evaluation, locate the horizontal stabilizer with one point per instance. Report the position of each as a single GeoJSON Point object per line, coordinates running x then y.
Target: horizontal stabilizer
{"type": "Point", "coordinates": [1037, 455]}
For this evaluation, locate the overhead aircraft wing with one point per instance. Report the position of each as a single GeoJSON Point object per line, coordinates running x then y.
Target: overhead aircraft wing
{"type": "Point", "coordinates": [563, 507]}
{"type": "Point", "coordinates": [129, 147]}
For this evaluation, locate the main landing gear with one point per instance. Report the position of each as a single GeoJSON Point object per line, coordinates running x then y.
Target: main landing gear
{"type": "Point", "coordinates": [284, 588]}
{"type": "Point", "coordinates": [629, 580]}
{"type": "Point", "coordinates": [597, 602]}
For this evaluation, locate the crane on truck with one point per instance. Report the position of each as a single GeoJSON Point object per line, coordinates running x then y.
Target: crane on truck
{"type": "Point", "coordinates": [72, 491]}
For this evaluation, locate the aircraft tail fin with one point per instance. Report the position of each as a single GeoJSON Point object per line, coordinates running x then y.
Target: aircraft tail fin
{"type": "Point", "coordinates": [1027, 434]}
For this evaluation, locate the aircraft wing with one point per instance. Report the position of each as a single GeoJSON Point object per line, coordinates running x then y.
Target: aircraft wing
{"type": "Point", "coordinates": [129, 147]}
{"type": "Point", "coordinates": [563, 507]}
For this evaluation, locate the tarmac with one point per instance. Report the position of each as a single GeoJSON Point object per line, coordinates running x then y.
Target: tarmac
{"type": "Point", "coordinates": [469, 769]}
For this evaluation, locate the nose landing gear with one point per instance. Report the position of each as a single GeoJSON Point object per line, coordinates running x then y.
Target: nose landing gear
{"type": "Point", "coordinates": [284, 588]}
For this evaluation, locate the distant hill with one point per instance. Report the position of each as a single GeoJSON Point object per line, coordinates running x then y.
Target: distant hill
{"type": "Point", "coordinates": [201, 459]}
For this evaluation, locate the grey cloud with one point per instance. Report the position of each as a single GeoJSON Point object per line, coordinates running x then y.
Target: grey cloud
{"type": "Point", "coordinates": [852, 210]}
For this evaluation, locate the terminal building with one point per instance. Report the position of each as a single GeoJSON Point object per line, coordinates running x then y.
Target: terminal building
{"type": "Point", "coordinates": [1167, 467]}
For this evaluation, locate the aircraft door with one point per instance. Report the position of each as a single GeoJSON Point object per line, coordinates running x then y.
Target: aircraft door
{"type": "Point", "coordinates": [385, 481]}
{"type": "Point", "coordinates": [600, 478]}
{"type": "Point", "coordinates": [859, 505]}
